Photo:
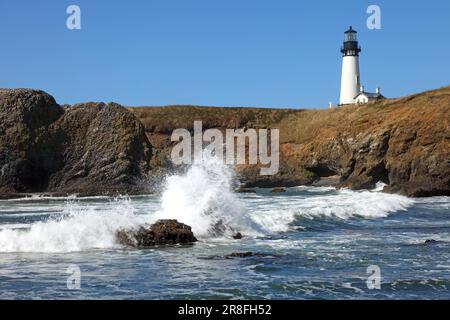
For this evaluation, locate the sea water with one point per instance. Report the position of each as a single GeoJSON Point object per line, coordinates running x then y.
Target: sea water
{"type": "Point", "coordinates": [309, 243]}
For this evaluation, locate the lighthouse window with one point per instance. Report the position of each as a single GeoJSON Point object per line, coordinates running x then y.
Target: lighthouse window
{"type": "Point", "coordinates": [350, 37]}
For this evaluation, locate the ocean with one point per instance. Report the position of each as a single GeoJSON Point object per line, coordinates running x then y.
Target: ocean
{"type": "Point", "coordinates": [307, 243]}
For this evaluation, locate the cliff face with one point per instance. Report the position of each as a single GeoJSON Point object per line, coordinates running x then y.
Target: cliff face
{"type": "Point", "coordinates": [104, 150]}
{"type": "Point", "coordinates": [27, 154]}
{"type": "Point", "coordinates": [404, 143]}
{"type": "Point", "coordinates": [90, 148]}
{"type": "Point", "coordinates": [97, 148]}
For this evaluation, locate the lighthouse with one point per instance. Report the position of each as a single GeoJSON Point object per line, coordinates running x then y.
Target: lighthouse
{"type": "Point", "coordinates": [350, 80]}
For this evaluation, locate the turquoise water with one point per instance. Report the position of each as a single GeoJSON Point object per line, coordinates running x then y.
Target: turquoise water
{"type": "Point", "coordinates": [312, 243]}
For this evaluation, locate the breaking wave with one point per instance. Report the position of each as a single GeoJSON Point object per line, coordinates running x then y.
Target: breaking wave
{"type": "Point", "coordinates": [202, 197]}
{"type": "Point", "coordinates": [78, 228]}
{"type": "Point", "coordinates": [277, 216]}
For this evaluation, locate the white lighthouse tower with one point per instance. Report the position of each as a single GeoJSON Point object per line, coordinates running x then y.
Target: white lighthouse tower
{"type": "Point", "coordinates": [350, 81]}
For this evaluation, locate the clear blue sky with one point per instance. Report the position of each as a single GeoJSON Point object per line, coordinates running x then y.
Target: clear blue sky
{"type": "Point", "coordinates": [223, 53]}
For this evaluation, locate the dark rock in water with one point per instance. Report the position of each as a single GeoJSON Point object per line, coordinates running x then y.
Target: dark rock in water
{"type": "Point", "coordinates": [218, 229]}
{"type": "Point", "coordinates": [331, 181]}
{"type": "Point", "coordinates": [245, 255]}
{"type": "Point", "coordinates": [163, 232]}
{"type": "Point", "coordinates": [278, 190]}
{"type": "Point", "coordinates": [238, 236]}
{"type": "Point", "coordinates": [245, 190]}
{"type": "Point", "coordinates": [431, 242]}
{"type": "Point", "coordinates": [239, 255]}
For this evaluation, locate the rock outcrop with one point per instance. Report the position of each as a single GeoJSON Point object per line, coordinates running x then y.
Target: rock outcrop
{"type": "Point", "coordinates": [404, 143]}
{"type": "Point", "coordinates": [28, 154]}
{"type": "Point", "coordinates": [163, 232]}
{"type": "Point", "coordinates": [91, 148]}
{"type": "Point", "coordinates": [97, 148]}
{"type": "Point", "coordinates": [104, 146]}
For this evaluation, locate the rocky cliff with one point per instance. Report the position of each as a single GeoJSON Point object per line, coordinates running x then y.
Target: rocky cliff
{"type": "Point", "coordinates": [97, 148]}
{"type": "Point", "coordinates": [404, 143]}
{"type": "Point", "coordinates": [91, 148]}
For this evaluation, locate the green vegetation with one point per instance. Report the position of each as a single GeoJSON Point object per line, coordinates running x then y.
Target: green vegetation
{"type": "Point", "coordinates": [158, 160]}
{"type": "Point", "coordinates": [308, 174]}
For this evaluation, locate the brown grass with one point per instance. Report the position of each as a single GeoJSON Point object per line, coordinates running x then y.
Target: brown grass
{"type": "Point", "coordinates": [298, 126]}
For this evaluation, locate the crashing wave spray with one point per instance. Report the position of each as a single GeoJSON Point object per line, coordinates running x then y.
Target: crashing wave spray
{"type": "Point", "coordinates": [79, 228]}
{"type": "Point", "coordinates": [203, 198]}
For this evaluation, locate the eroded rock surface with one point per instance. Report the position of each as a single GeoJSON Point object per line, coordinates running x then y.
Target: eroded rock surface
{"type": "Point", "coordinates": [90, 149]}
{"type": "Point", "coordinates": [163, 232]}
{"type": "Point", "coordinates": [404, 143]}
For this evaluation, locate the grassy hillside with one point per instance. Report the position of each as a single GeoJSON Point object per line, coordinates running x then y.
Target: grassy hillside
{"type": "Point", "coordinates": [297, 126]}
{"type": "Point", "coordinates": [430, 107]}
{"type": "Point", "coordinates": [166, 119]}
{"type": "Point", "coordinates": [403, 142]}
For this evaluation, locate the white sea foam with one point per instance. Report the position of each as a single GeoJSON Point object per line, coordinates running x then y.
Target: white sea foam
{"type": "Point", "coordinates": [14, 226]}
{"type": "Point", "coordinates": [80, 228]}
{"type": "Point", "coordinates": [276, 216]}
{"type": "Point", "coordinates": [202, 198]}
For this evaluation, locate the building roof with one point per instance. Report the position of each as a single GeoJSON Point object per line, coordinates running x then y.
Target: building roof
{"type": "Point", "coordinates": [350, 30]}
{"type": "Point", "coordinates": [370, 95]}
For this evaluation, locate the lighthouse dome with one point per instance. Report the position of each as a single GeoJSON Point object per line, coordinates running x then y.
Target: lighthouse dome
{"type": "Point", "coordinates": [351, 30]}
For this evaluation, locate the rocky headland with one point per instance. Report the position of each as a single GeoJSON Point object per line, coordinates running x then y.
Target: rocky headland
{"type": "Point", "coordinates": [104, 149]}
